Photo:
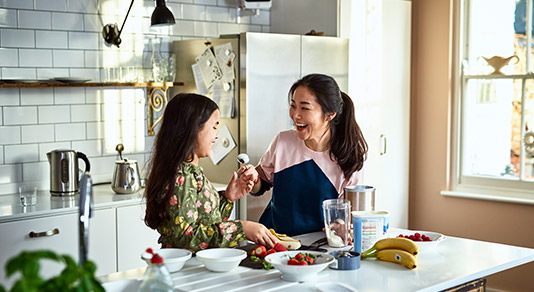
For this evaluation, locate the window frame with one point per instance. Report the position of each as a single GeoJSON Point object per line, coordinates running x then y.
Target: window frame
{"type": "Point", "coordinates": [478, 187]}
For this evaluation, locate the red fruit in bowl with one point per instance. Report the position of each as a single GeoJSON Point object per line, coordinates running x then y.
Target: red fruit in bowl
{"type": "Point", "coordinates": [293, 262]}
{"type": "Point", "coordinates": [303, 263]}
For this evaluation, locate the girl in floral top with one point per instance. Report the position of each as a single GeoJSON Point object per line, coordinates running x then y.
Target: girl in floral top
{"type": "Point", "coordinates": [182, 204]}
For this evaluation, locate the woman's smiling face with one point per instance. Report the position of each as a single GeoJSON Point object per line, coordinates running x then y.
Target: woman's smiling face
{"type": "Point", "coordinates": [312, 125]}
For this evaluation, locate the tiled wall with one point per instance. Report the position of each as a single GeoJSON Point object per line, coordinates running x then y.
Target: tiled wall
{"type": "Point", "coordinates": [42, 39]}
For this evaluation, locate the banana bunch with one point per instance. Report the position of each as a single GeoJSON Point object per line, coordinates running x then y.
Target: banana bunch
{"type": "Point", "coordinates": [396, 250]}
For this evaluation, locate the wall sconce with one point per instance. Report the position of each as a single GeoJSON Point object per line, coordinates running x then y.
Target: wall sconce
{"type": "Point", "coordinates": [160, 17]}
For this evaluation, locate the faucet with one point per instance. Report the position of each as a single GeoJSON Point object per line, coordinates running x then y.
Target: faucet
{"type": "Point", "coordinates": [85, 212]}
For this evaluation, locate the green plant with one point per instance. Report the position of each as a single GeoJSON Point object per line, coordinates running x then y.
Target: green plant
{"type": "Point", "coordinates": [72, 278]}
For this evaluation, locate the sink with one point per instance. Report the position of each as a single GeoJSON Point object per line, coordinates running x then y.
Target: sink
{"type": "Point", "coordinates": [123, 285]}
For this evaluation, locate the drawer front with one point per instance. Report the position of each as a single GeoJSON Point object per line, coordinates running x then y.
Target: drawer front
{"type": "Point", "coordinates": [57, 233]}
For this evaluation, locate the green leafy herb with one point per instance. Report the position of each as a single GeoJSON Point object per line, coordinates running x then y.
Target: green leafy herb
{"type": "Point", "coordinates": [72, 278]}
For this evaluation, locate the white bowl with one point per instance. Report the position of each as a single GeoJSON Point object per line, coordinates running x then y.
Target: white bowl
{"type": "Point", "coordinates": [173, 258]}
{"type": "Point", "coordinates": [221, 259]}
{"type": "Point", "coordinates": [299, 273]}
{"type": "Point", "coordinates": [436, 238]}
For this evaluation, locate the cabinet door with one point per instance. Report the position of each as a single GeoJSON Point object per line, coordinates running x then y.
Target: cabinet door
{"type": "Point", "coordinates": [103, 241]}
{"type": "Point", "coordinates": [57, 233]}
{"type": "Point", "coordinates": [382, 100]}
{"type": "Point", "coordinates": [133, 237]}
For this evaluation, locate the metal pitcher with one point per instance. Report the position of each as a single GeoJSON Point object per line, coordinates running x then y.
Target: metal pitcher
{"type": "Point", "coordinates": [362, 198]}
{"type": "Point", "coordinates": [126, 178]}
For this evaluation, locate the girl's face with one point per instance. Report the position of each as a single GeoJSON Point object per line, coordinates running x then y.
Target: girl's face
{"type": "Point", "coordinates": [311, 123]}
{"type": "Point", "coordinates": [207, 136]}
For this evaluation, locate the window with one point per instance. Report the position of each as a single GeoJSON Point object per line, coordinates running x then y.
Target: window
{"type": "Point", "coordinates": [494, 118]}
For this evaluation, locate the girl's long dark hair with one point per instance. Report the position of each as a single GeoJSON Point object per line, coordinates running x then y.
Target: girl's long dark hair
{"type": "Point", "coordinates": [184, 117]}
{"type": "Point", "coordinates": [347, 144]}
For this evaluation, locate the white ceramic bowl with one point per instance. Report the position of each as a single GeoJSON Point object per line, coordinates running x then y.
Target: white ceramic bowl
{"type": "Point", "coordinates": [221, 259]}
{"type": "Point", "coordinates": [436, 238]}
{"type": "Point", "coordinates": [173, 258]}
{"type": "Point", "coordinates": [299, 273]}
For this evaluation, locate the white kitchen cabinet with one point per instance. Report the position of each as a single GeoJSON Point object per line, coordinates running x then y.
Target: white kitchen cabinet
{"type": "Point", "coordinates": [133, 237]}
{"type": "Point", "coordinates": [57, 233]}
{"type": "Point", "coordinates": [380, 87]}
{"type": "Point", "coordinates": [103, 241]}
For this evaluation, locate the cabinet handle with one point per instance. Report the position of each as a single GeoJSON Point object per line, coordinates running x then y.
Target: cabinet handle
{"type": "Point", "coordinates": [44, 233]}
{"type": "Point", "coordinates": [383, 142]}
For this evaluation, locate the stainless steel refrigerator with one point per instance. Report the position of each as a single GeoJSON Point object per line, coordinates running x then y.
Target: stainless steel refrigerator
{"type": "Point", "coordinates": [265, 67]}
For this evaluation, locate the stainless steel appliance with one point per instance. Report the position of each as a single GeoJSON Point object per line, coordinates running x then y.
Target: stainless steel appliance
{"type": "Point", "coordinates": [265, 67]}
{"type": "Point", "coordinates": [64, 171]}
{"type": "Point", "coordinates": [126, 177]}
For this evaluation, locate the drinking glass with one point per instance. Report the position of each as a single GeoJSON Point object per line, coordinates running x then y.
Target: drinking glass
{"type": "Point", "coordinates": [28, 195]}
{"type": "Point", "coordinates": [337, 221]}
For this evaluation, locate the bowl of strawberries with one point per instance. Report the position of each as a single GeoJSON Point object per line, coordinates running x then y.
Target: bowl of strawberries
{"type": "Point", "coordinates": [425, 240]}
{"type": "Point", "coordinates": [298, 266]}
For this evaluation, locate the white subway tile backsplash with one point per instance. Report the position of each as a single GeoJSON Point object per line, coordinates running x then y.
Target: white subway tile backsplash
{"type": "Point", "coordinates": [35, 19]}
{"type": "Point", "coordinates": [91, 148]}
{"type": "Point", "coordinates": [51, 5]}
{"type": "Point", "coordinates": [37, 133]}
{"type": "Point", "coordinates": [194, 12]}
{"type": "Point", "coordinates": [111, 111]}
{"type": "Point", "coordinates": [1, 117]}
{"type": "Point", "coordinates": [176, 10]}
{"type": "Point", "coordinates": [206, 2]}
{"type": "Point", "coordinates": [68, 58]}
{"type": "Point", "coordinates": [10, 173]}
{"type": "Point", "coordinates": [54, 114]}
{"type": "Point", "coordinates": [9, 18]}
{"type": "Point", "coordinates": [95, 130]}
{"type": "Point", "coordinates": [85, 113]}
{"type": "Point", "coordinates": [228, 28]}
{"type": "Point", "coordinates": [93, 59]}
{"type": "Point", "coordinates": [21, 153]}
{"type": "Point", "coordinates": [17, 38]}
{"type": "Point", "coordinates": [18, 73]}
{"type": "Point", "coordinates": [67, 21]}
{"type": "Point", "coordinates": [84, 40]}
{"type": "Point", "coordinates": [92, 74]}
{"type": "Point", "coordinates": [206, 29]}
{"type": "Point", "coordinates": [94, 95]}
{"type": "Point", "coordinates": [217, 14]}
{"type": "Point", "coordinates": [1, 155]}
{"type": "Point", "coordinates": [47, 147]}
{"type": "Point", "coordinates": [69, 95]}
{"type": "Point", "coordinates": [183, 27]}
{"type": "Point", "coordinates": [36, 171]}
{"type": "Point", "coordinates": [27, 4]}
{"type": "Point", "coordinates": [10, 135]}
{"type": "Point", "coordinates": [249, 27]}
{"type": "Point", "coordinates": [20, 115]}
{"type": "Point", "coordinates": [103, 166]}
{"type": "Point", "coordinates": [9, 96]}
{"type": "Point", "coordinates": [92, 22]}
{"type": "Point", "coordinates": [47, 73]}
{"type": "Point", "coordinates": [9, 57]}
{"type": "Point", "coordinates": [263, 18]}
{"type": "Point", "coordinates": [66, 132]}
{"type": "Point", "coordinates": [51, 39]}
{"type": "Point", "coordinates": [83, 6]}
{"type": "Point", "coordinates": [36, 96]}
{"type": "Point", "coordinates": [35, 58]}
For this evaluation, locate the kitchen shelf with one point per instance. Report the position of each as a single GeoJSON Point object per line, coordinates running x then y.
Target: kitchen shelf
{"type": "Point", "coordinates": [156, 93]}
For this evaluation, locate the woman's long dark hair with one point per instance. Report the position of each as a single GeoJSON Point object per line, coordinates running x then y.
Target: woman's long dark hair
{"type": "Point", "coordinates": [347, 144]}
{"type": "Point", "coordinates": [184, 117]}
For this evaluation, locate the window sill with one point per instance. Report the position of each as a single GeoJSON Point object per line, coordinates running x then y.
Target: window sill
{"type": "Point", "coordinates": [517, 198]}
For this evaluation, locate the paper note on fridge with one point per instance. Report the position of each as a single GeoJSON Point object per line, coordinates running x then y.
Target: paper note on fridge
{"type": "Point", "coordinates": [222, 146]}
{"type": "Point", "coordinates": [225, 57]}
{"type": "Point", "coordinates": [199, 80]}
{"type": "Point", "coordinates": [223, 95]}
{"type": "Point", "coordinates": [209, 68]}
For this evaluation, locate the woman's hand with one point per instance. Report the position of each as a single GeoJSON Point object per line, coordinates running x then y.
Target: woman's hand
{"type": "Point", "coordinates": [249, 170]}
{"type": "Point", "coordinates": [259, 234]}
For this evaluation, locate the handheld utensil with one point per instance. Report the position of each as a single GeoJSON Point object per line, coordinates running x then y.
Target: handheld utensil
{"type": "Point", "coordinates": [243, 158]}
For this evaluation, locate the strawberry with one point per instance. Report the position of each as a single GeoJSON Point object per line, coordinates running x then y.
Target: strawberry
{"type": "Point", "coordinates": [279, 247]}
{"type": "Point", "coordinates": [299, 256]}
{"type": "Point", "coordinates": [260, 251]}
{"type": "Point", "coordinates": [270, 251]}
{"type": "Point", "coordinates": [303, 263]}
{"type": "Point", "coordinates": [309, 260]}
{"type": "Point", "coordinates": [293, 262]}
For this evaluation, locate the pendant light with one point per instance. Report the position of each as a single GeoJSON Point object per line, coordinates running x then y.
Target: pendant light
{"type": "Point", "coordinates": [161, 16]}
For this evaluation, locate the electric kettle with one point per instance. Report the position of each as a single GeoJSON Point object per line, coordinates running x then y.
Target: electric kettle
{"type": "Point", "coordinates": [64, 171]}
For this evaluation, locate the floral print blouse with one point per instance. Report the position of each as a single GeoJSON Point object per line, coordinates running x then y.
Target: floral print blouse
{"type": "Point", "coordinates": [198, 214]}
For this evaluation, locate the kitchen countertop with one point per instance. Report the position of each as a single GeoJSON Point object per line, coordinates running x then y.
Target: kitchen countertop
{"type": "Point", "coordinates": [453, 262]}
{"type": "Point", "coordinates": [48, 205]}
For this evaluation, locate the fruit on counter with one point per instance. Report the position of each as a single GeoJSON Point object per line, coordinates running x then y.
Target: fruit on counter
{"type": "Point", "coordinates": [279, 247]}
{"type": "Point", "coordinates": [394, 243]}
{"type": "Point", "coordinates": [416, 237]}
{"type": "Point", "coordinates": [260, 251]}
{"type": "Point", "coordinates": [286, 241]}
{"type": "Point", "coordinates": [398, 256]}
{"type": "Point", "coordinates": [302, 259]}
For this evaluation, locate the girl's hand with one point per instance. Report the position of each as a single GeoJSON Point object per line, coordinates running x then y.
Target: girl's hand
{"type": "Point", "coordinates": [238, 187]}
{"type": "Point", "coordinates": [249, 171]}
{"type": "Point", "coordinates": [259, 234]}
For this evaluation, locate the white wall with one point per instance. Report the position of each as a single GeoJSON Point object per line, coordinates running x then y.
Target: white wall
{"type": "Point", "coordinates": [56, 38]}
